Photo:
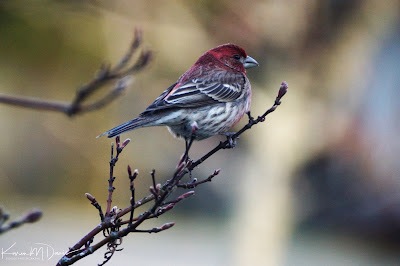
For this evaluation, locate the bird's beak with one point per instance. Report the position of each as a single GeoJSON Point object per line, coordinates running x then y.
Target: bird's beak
{"type": "Point", "coordinates": [250, 62]}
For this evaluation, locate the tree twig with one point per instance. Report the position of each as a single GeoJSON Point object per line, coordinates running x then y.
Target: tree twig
{"type": "Point", "coordinates": [132, 177]}
{"type": "Point", "coordinates": [121, 73]}
{"type": "Point", "coordinates": [159, 194]}
{"type": "Point", "coordinates": [31, 217]}
{"type": "Point", "coordinates": [226, 144]}
{"type": "Point", "coordinates": [196, 183]}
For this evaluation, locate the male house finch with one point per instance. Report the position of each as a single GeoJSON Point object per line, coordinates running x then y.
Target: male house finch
{"type": "Point", "coordinates": [209, 99]}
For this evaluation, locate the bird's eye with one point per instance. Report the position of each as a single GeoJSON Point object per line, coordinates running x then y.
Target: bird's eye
{"type": "Point", "coordinates": [236, 56]}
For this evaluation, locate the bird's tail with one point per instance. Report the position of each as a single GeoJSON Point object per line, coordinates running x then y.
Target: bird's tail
{"type": "Point", "coordinates": [130, 125]}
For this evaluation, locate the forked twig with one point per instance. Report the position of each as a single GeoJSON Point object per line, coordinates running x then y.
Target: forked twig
{"type": "Point", "coordinates": [121, 73]}
{"type": "Point", "coordinates": [112, 222]}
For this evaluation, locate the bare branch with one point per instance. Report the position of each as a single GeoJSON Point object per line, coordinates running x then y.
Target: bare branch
{"type": "Point", "coordinates": [104, 76]}
{"type": "Point", "coordinates": [132, 177]}
{"type": "Point", "coordinates": [31, 217]}
{"type": "Point", "coordinates": [156, 229]}
{"type": "Point", "coordinates": [194, 184]}
{"type": "Point", "coordinates": [96, 205]}
{"type": "Point", "coordinates": [227, 144]}
{"type": "Point", "coordinates": [111, 225]}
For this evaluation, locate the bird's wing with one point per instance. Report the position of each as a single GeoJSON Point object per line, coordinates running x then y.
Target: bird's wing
{"type": "Point", "coordinates": [197, 93]}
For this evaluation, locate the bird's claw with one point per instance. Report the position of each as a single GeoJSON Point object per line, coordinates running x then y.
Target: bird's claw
{"type": "Point", "coordinates": [230, 138]}
{"type": "Point", "coordinates": [251, 119]}
{"type": "Point", "coordinates": [232, 142]}
{"type": "Point", "coordinates": [184, 159]}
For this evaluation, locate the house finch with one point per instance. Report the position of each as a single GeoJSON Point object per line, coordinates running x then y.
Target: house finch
{"type": "Point", "coordinates": [208, 99]}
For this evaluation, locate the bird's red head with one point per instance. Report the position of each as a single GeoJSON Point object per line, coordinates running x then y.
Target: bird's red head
{"type": "Point", "coordinates": [230, 55]}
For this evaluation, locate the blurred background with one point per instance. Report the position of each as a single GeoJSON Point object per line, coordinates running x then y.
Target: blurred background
{"type": "Point", "coordinates": [317, 184]}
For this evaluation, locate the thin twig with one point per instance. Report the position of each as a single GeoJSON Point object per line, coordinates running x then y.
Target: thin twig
{"type": "Point", "coordinates": [156, 229]}
{"type": "Point", "coordinates": [104, 76]}
{"type": "Point", "coordinates": [226, 144]}
{"type": "Point", "coordinates": [111, 179]}
{"type": "Point", "coordinates": [31, 217]}
{"type": "Point", "coordinates": [96, 205]}
{"type": "Point", "coordinates": [113, 161]}
{"type": "Point", "coordinates": [192, 185]}
{"type": "Point", "coordinates": [132, 188]}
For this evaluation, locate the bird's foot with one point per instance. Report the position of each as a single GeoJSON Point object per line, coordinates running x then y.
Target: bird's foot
{"type": "Point", "coordinates": [184, 158]}
{"type": "Point", "coordinates": [188, 144]}
{"type": "Point", "coordinates": [231, 139]}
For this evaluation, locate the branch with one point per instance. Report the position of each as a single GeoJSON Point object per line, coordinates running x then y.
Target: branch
{"type": "Point", "coordinates": [32, 217]}
{"type": "Point", "coordinates": [111, 224]}
{"type": "Point", "coordinates": [121, 73]}
{"type": "Point", "coordinates": [194, 183]}
{"type": "Point", "coordinates": [227, 144]}
{"type": "Point", "coordinates": [95, 204]}
{"type": "Point", "coordinates": [132, 177]}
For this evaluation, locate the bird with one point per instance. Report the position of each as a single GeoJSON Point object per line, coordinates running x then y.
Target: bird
{"type": "Point", "coordinates": [207, 100]}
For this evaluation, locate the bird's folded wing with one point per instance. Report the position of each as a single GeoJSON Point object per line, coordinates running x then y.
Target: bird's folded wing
{"type": "Point", "coordinates": [196, 93]}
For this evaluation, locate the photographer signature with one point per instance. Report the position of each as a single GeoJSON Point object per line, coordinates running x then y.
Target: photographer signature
{"type": "Point", "coordinates": [38, 251]}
